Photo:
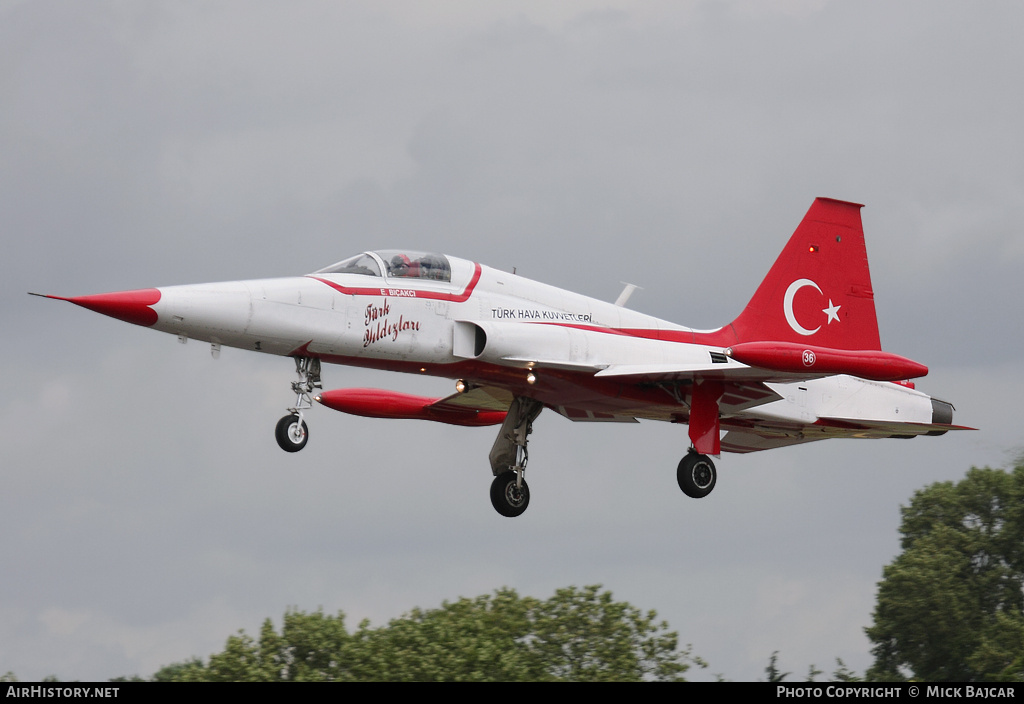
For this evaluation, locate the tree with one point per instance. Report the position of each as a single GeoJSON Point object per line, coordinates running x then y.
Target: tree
{"type": "Point", "coordinates": [577, 634]}
{"type": "Point", "coordinates": [582, 634]}
{"type": "Point", "coordinates": [950, 607]}
{"type": "Point", "coordinates": [772, 671]}
{"type": "Point", "coordinates": [478, 639]}
{"type": "Point", "coordinates": [843, 673]}
{"type": "Point", "coordinates": [310, 647]}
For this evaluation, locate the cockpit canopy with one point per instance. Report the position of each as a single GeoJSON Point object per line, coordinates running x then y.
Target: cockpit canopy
{"type": "Point", "coordinates": [396, 264]}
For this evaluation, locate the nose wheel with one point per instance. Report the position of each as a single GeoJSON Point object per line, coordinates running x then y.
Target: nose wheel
{"type": "Point", "coordinates": [291, 431]}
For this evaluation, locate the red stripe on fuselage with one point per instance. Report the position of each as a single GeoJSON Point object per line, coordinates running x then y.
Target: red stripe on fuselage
{"type": "Point", "coordinates": [399, 292]}
{"type": "Point", "coordinates": [722, 337]}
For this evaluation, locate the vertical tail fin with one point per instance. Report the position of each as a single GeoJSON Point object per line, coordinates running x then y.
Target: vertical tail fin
{"type": "Point", "coordinates": [818, 292]}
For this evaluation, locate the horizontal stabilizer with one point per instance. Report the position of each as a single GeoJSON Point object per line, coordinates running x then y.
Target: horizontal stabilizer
{"type": "Point", "coordinates": [857, 428]}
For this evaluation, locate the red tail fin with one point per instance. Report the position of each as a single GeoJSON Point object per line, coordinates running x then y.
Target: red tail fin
{"type": "Point", "coordinates": [818, 292]}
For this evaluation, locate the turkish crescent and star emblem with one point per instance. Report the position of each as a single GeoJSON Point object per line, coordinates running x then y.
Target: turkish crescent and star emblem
{"type": "Point", "coordinates": [787, 307]}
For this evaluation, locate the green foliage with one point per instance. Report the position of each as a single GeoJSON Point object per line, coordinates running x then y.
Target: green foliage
{"type": "Point", "coordinates": [583, 635]}
{"type": "Point", "coordinates": [951, 606]}
{"type": "Point", "coordinates": [477, 639]}
{"type": "Point", "coordinates": [771, 672]}
{"type": "Point", "coordinates": [812, 673]}
{"type": "Point", "coordinates": [577, 634]}
{"type": "Point", "coordinates": [188, 671]}
{"type": "Point", "coordinates": [843, 673]}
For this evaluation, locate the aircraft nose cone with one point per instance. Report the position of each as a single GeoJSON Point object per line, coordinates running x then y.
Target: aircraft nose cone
{"type": "Point", "coordinates": [129, 306]}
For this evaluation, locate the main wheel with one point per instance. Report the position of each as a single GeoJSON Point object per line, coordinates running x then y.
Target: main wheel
{"type": "Point", "coordinates": [509, 499]}
{"type": "Point", "coordinates": [291, 433]}
{"type": "Point", "coordinates": [696, 475]}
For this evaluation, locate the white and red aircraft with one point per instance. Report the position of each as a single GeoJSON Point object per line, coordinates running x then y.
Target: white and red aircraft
{"type": "Point", "coordinates": [802, 362]}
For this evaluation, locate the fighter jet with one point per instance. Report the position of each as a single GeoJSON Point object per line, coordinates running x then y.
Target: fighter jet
{"type": "Point", "coordinates": [802, 362]}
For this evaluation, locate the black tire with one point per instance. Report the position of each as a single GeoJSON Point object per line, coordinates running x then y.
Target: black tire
{"type": "Point", "coordinates": [696, 475]}
{"type": "Point", "coordinates": [290, 435]}
{"type": "Point", "coordinates": [508, 499]}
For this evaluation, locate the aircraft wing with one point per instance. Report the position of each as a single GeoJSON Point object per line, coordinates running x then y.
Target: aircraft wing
{"type": "Point", "coordinates": [744, 387]}
{"type": "Point", "coordinates": [674, 406]}
{"type": "Point", "coordinates": [742, 442]}
{"type": "Point", "coordinates": [754, 435]}
{"type": "Point", "coordinates": [535, 363]}
{"type": "Point", "coordinates": [723, 368]}
{"type": "Point", "coordinates": [664, 372]}
{"type": "Point", "coordinates": [480, 398]}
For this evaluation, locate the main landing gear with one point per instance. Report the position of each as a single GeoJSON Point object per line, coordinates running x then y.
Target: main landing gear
{"type": "Point", "coordinates": [510, 494]}
{"type": "Point", "coordinates": [291, 431]}
{"type": "Point", "coordinates": [696, 475]}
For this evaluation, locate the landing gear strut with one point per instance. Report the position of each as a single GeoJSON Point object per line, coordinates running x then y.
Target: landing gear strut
{"type": "Point", "coordinates": [696, 475]}
{"type": "Point", "coordinates": [509, 493]}
{"type": "Point", "coordinates": [291, 431]}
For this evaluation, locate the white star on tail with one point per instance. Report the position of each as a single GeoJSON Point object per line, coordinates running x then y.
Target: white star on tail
{"type": "Point", "coordinates": [832, 312]}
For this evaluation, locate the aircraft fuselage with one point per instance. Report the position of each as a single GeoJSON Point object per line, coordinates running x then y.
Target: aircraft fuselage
{"type": "Point", "coordinates": [560, 339]}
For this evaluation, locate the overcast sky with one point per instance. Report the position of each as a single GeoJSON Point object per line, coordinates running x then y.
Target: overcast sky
{"type": "Point", "coordinates": [146, 512]}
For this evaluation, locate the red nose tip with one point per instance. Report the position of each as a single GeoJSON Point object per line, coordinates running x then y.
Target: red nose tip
{"type": "Point", "coordinates": [129, 306]}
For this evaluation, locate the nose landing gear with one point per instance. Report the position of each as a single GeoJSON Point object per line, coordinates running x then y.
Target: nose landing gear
{"type": "Point", "coordinates": [291, 432]}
